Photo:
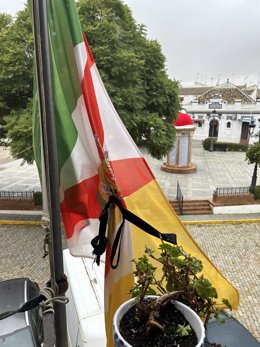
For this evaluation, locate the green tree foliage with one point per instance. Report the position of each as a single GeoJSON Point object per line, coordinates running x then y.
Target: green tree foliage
{"type": "Point", "coordinates": [133, 70]}
{"type": "Point", "coordinates": [131, 66]}
{"type": "Point", "coordinates": [253, 157]}
{"type": "Point", "coordinates": [16, 64]}
{"type": "Point", "coordinates": [253, 154]}
{"type": "Point", "coordinates": [16, 61]}
{"type": "Point", "coordinates": [5, 23]}
{"type": "Point", "coordinates": [19, 129]}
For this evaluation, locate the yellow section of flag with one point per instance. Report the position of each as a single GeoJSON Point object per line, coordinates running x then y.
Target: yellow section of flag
{"type": "Point", "coordinates": [150, 204]}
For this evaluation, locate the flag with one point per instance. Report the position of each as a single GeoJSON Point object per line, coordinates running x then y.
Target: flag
{"type": "Point", "coordinates": [98, 158]}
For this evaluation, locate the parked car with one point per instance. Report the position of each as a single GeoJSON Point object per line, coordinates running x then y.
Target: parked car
{"type": "Point", "coordinates": [21, 329]}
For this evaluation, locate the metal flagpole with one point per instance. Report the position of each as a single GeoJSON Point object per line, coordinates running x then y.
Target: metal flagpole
{"type": "Point", "coordinates": [50, 157]}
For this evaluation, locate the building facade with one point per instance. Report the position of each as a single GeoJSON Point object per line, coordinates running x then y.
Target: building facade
{"type": "Point", "coordinates": [225, 111]}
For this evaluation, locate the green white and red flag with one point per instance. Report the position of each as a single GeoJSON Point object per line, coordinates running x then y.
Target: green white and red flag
{"type": "Point", "coordinates": [98, 158]}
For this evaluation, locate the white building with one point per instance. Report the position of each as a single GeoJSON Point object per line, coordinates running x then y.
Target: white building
{"type": "Point", "coordinates": [224, 111]}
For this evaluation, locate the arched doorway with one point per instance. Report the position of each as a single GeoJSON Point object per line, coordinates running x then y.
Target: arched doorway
{"type": "Point", "coordinates": [213, 128]}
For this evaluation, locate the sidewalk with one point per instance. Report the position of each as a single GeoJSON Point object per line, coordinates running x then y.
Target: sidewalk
{"type": "Point", "coordinates": [7, 217]}
{"type": "Point", "coordinates": [222, 218]}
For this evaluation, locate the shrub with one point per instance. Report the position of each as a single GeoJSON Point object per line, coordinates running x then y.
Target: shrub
{"type": "Point", "coordinates": [206, 143]}
{"type": "Point", "coordinates": [220, 146]}
{"type": "Point", "coordinates": [257, 193]}
{"type": "Point", "coordinates": [237, 147]}
{"type": "Point", "coordinates": [224, 146]}
{"type": "Point", "coordinates": [37, 197]}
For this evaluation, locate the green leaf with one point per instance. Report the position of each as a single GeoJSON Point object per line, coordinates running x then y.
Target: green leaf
{"type": "Point", "coordinates": [219, 319]}
{"type": "Point", "coordinates": [171, 329]}
{"type": "Point", "coordinates": [204, 289]}
{"type": "Point", "coordinates": [196, 265]}
{"type": "Point", "coordinates": [227, 303]}
{"type": "Point", "coordinates": [169, 285]}
{"type": "Point", "coordinates": [149, 251]}
{"type": "Point", "coordinates": [173, 251]}
{"type": "Point", "coordinates": [183, 330]}
{"type": "Point", "coordinates": [135, 292]}
{"type": "Point", "coordinates": [151, 291]}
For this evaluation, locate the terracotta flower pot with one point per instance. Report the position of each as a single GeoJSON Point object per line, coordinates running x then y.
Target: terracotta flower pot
{"type": "Point", "coordinates": [193, 319]}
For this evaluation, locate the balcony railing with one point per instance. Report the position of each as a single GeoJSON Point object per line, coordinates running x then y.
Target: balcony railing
{"type": "Point", "coordinates": [9, 194]}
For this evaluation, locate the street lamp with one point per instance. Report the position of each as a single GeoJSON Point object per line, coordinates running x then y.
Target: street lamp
{"type": "Point", "coordinates": [251, 127]}
{"type": "Point", "coordinates": [211, 149]}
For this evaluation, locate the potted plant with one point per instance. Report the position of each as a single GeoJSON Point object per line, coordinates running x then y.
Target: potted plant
{"type": "Point", "coordinates": [173, 317]}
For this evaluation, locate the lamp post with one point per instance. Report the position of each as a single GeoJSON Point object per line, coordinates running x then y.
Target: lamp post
{"type": "Point", "coordinates": [251, 127]}
{"type": "Point", "coordinates": [211, 149]}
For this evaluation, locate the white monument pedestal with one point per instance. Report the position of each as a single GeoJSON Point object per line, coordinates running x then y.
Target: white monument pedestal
{"type": "Point", "coordinates": [179, 159]}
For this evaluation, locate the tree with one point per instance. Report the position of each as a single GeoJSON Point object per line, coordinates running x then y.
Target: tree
{"type": "Point", "coordinates": [19, 130]}
{"type": "Point", "coordinates": [253, 157]}
{"type": "Point", "coordinates": [133, 70]}
{"type": "Point", "coordinates": [131, 66]}
{"type": "Point", "coordinates": [5, 23]}
{"type": "Point", "coordinates": [16, 64]}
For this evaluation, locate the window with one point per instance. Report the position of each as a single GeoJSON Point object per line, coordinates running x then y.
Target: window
{"type": "Point", "coordinates": [216, 96]}
{"type": "Point", "coordinates": [228, 124]}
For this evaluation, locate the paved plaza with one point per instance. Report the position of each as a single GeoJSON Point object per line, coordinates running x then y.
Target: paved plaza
{"type": "Point", "coordinates": [215, 170]}
{"type": "Point", "coordinates": [14, 175]}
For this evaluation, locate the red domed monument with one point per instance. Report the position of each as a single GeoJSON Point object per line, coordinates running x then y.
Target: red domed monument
{"type": "Point", "coordinates": [183, 120]}
{"type": "Point", "coordinates": [179, 159]}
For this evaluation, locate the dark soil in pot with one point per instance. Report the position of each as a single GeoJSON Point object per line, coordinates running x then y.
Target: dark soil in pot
{"type": "Point", "coordinates": [133, 329]}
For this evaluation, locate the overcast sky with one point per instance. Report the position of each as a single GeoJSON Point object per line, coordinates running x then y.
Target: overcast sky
{"type": "Point", "coordinates": [206, 41]}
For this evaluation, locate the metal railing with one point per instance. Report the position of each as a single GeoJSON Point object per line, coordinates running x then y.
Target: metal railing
{"type": "Point", "coordinates": [9, 194]}
{"type": "Point", "coordinates": [179, 198]}
{"type": "Point", "coordinates": [232, 190]}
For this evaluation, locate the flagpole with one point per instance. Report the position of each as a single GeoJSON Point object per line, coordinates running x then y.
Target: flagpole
{"type": "Point", "coordinates": [50, 155]}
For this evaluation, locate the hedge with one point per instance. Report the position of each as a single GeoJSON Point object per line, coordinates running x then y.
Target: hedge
{"type": "Point", "coordinates": [207, 142]}
{"type": "Point", "coordinates": [224, 146]}
{"type": "Point", "coordinates": [37, 197]}
{"type": "Point", "coordinates": [257, 193]}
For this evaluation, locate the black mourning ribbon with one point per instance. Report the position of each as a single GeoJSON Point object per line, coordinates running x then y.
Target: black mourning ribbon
{"type": "Point", "coordinates": [99, 243]}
